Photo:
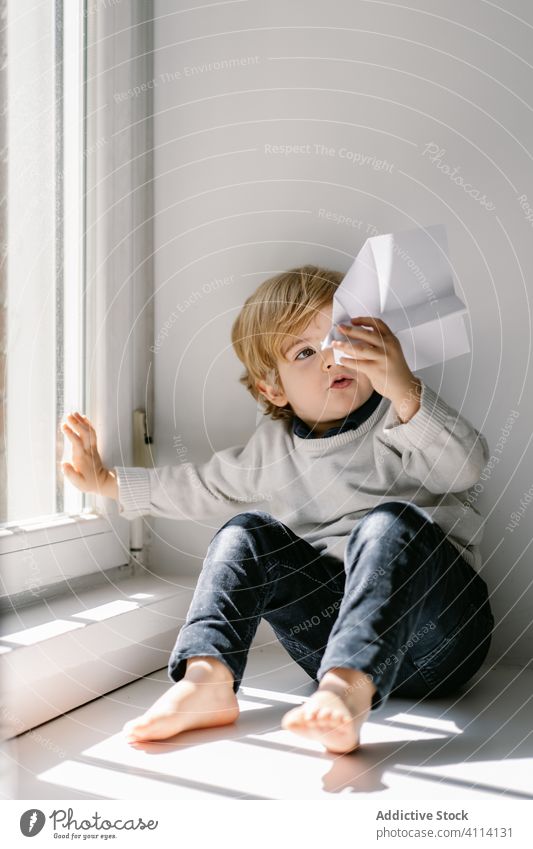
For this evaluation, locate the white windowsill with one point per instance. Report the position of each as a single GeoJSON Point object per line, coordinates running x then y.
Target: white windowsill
{"type": "Point", "coordinates": [50, 529]}
{"type": "Point", "coordinates": [67, 650]}
{"type": "Point", "coordinates": [36, 555]}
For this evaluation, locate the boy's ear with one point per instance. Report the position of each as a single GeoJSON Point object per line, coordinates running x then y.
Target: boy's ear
{"type": "Point", "coordinates": [274, 393]}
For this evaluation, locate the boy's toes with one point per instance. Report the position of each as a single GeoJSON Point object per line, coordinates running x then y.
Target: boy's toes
{"type": "Point", "coordinates": [136, 728]}
{"type": "Point", "coordinates": [130, 730]}
{"type": "Point", "coordinates": [293, 717]}
{"type": "Point", "coordinates": [341, 716]}
{"type": "Point", "coordinates": [311, 713]}
{"type": "Point", "coordinates": [325, 714]}
{"type": "Point", "coordinates": [134, 724]}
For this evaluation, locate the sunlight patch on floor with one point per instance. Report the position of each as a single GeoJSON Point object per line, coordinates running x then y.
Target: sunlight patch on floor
{"type": "Point", "coordinates": [476, 745]}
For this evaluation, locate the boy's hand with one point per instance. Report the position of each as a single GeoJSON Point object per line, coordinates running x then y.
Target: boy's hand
{"type": "Point", "coordinates": [86, 472]}
{"type": "Point", "coordinates": [380, 357]}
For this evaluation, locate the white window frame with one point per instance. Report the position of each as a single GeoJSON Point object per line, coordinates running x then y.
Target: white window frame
{"type": "Point", "coordinates": [117, 263]}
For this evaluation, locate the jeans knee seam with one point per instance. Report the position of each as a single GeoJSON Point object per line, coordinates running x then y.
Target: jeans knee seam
{"type": "Point", "coordinates": [292, 570]}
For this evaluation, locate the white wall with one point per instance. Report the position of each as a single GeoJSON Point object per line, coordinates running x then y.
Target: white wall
{"type": "Point", "coordinates": [377, 80]}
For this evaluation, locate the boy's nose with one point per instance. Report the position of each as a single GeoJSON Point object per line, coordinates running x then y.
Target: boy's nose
{"type": "Point", "coordinates": [328, 359]}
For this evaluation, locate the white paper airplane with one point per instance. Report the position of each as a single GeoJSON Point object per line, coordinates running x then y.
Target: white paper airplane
{"type": "Point", "coordinates": [406, 279]}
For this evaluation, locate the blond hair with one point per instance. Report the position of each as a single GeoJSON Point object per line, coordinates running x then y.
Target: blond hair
{"type": "Point", "coordinates": [280, 308]}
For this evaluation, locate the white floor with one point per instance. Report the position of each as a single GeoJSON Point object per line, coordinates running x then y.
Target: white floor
{"type": "Point", "coordinates": [476, 745]}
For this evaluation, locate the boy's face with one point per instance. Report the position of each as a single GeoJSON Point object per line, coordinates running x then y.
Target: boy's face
{"type": "Point", "coordinates": [307, 376]}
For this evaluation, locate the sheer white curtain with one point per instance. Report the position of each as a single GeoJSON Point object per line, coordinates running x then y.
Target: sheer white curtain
{"type": "Point", "coordinates": [117, 308]}
{"type": "Point", "coordinates": [106, 291]}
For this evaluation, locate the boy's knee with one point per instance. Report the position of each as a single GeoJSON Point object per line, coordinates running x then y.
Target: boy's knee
{"type": "Point", "coordinates": [250, 520]}
{"type": "Point", "coordinates": [392, 515]}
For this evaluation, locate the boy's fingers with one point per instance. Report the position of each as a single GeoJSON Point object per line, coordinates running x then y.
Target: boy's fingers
{"type": "Point", "coordinates": [373, 337]}
{"type": "Point", "coordinates": [84, 423]}
{"type": "Point", "coordinates": [83, 417]}
{"type": "Point", "coordinates": [79, 420]}
{"type": "Point", "coordinates": [371, 321]}
{"type": "Point", "coordinates": [72, 475]}
{"type": "Point", "coordinates": [85, 439]}
{"type": "Point", "coordinates": [71, 433]}
{"type": "Point", "coordinates": [73, 422]}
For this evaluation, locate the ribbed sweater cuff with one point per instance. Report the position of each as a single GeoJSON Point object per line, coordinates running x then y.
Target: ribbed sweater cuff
{"type": "Point", "coordinates": [133, 490]}
{"type": "Point", "coordinates": [426, 424]}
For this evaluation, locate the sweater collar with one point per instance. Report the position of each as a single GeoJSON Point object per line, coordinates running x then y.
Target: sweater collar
{"type": "Point", "coordinates": [352, 421]}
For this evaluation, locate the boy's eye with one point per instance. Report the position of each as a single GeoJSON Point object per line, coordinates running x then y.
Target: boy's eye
{"type": "Point", "coordinates": [303, 352]}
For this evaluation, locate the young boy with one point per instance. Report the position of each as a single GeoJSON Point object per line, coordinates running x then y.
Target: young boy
{"type": "Point", "coordinates": [348, 528]}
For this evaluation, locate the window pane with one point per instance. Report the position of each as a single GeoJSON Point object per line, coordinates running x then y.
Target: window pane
{"type": "Point", "coordinates": [44, 363]}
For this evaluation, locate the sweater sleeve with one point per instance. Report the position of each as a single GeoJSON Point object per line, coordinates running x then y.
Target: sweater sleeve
{"type": "Point", "coordinates": [439, 447]}
{"type": "Point", "coordinates": [214, 489]}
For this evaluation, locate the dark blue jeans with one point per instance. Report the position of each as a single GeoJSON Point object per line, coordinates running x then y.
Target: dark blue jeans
{"type": "Point", "coordinates": [405, 607]}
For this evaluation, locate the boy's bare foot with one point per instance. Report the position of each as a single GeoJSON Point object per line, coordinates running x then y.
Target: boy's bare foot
{"type": "Point", "coordinates": [204, 697]}
{"type": "Point", "coordinates": [335, 713]}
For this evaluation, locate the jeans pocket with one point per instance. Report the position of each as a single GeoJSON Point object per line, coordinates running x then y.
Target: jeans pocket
{"type": "Point", "coordinates": [459, 655]}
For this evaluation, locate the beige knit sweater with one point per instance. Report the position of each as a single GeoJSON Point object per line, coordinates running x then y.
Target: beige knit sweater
{"type": "Point", "coordinates": [322, 487]}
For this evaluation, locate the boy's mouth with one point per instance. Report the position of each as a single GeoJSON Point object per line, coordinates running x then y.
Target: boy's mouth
{"type": "Point", "coordinates": [341, 381]}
